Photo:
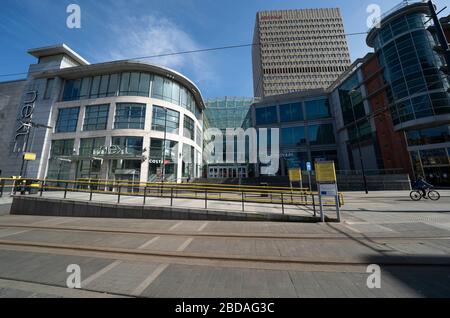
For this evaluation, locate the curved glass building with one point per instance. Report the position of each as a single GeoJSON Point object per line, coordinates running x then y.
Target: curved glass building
{"type": "Point", "coordinates": [417, 90]}
{"type": "Point", "coordinates": [123, 120]}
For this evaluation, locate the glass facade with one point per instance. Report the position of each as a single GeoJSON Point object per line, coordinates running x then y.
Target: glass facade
{"type": "Point", "coordinates": [293, 136]}
{"type": "Point", "coordinates": [266, 115]}
{"type": "Point", "coordinates": [96, 117]}
{"type": "Point", "coordinates": [130, 116]}
{"type": "Point", "coordinates": [291, 112]}
{"type": "Point", "coordinates": [89, 146]}
{"type": "Point", "coordinates": [167, 118]}
{"type": "Point", "coordinates": [131, 84]}
{"type": "Point", "coordinates": [67, 120]}
{"type": "Point", "coordinates": [317, 109]}
{"type": "Point", "coordinates": [426, 136]}
{"type": "Point", "coordinates": [228, 112]}
{"type": "Point", "coordinates": [129, 145]}
{"type": "Point", "coordinates": [163, 157]}
{"type": "Point", "coordinates": [417, 88]}
{"type": "Point", "coordinates": [189, 128]}
{"type": "Point", "coordinates": [321, 134]}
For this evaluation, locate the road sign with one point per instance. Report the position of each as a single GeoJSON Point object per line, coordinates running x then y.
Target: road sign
{"type": "Point", "coordinates": [325, 172]}
{"type": "Point", "coordinates": [295, 175]}
{"type": "Point", "coordinates": [28, 156]}
{"type": "Point", "coordinates": [308, 166]}
{"type": "Point", "coordinates": [328, 190]}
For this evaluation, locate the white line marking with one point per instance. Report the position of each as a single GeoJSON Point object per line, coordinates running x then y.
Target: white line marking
{"type": "Point", "coordinates": [13, 233]}
{"type": "Point", "coordinates": [185, 245]}
{"type": "Point", "coordinates": [202, 227]}
{"type": "Point", "coordinates": [101, 272]}
{"type": "Point", "coordinates": [175, 226]}
{"type": "Point", "coordinates": [146, 283]}
{"type": "Point", "coordinates": [153, 240]}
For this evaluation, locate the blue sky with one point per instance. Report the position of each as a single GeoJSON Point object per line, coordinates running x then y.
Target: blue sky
{"type": "Point", "coordinates": [119, 29]}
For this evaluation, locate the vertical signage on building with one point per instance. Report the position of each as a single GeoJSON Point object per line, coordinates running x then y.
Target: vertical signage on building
{"type": "Point", "coordinates": [25, 116]}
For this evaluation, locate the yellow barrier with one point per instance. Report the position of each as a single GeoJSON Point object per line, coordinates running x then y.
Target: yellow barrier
{"type": "Point", "coordinates": [273, 195]}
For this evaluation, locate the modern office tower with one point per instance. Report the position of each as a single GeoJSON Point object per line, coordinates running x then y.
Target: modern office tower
{"type": "Point", "coordinates": [297, 50]}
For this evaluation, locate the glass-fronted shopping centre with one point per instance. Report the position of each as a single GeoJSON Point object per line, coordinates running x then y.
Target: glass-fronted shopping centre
{"type": "Point", "coordinates": [306, 126]}
{"type": "Point", "coordinates": [115, 121]}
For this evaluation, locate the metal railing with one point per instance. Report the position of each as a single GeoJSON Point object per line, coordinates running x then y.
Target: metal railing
{"type": "Point", "coordinates": [278, 196]}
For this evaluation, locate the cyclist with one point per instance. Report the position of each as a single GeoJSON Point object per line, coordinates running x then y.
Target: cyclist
{"type": "Point", "coordinates": [422, 185]}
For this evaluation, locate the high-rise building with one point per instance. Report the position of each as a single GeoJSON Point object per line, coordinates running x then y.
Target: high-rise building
{"type": "Point", "coordinates": [297, 50]}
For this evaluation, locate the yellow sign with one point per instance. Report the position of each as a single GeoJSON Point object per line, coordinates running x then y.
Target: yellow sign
{"type": "Point", "coordinates": [28, 156]}
{"type": "Point", "coordinates": [325, 172]}
{"type": "Point", "coordinates": [295, 175]}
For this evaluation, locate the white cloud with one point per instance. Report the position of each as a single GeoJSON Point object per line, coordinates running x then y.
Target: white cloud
{"type": "Point", "coordinates": [150, 35]}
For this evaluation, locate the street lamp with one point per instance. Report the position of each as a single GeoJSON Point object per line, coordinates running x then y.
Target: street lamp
{"type": "Point", "coordinates": [163, 157]}
{"type": "Point", "coordinates": [359, 140]}
{"type": "Point", "coordinates": [30, 125]}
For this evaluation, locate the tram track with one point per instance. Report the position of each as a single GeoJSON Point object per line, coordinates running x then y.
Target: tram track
{"type": "Point", "coordinates": [111, 252]}
{"type": "Point", "coordinates": [196, 234]}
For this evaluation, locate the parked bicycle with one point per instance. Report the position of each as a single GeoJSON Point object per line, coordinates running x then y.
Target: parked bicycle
{"type": "Point", "coordinates": [417, 195]}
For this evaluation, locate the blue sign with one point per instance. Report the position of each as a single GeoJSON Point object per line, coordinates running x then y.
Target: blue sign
{"type": "Point", "coordinates": [308, 166]}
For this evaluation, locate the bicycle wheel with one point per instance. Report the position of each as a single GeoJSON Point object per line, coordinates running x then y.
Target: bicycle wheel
{"type": "Point", "coordinates": [415, 195]}
{"type": "Point", "coordinates": [434, 195]}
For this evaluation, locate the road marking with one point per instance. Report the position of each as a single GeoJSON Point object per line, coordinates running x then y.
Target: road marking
{"type": "Point", "coordinates": [54, 221]}
{"type": "Point", "coordinates": [202, 227]}
{"type": "Point", "coordinates": [153, 240]}
{"type": "Point", "coordinates": [175, 226]}
{"type": "Point", "coordinates": [146, 283]}
{"type": "Point", "coordinates": [185, 245]}
{"type": "Point", "coordinates": [40, 289]}
{"type": "Point", "coordinates": [13, 233]}
{"type": "Point", "coordinates": [101, 272]}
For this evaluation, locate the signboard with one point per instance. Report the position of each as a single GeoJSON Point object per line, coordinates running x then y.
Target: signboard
{"type": "Point", "coordinates": [24, 126]}
{"type": "Point", "coordinates": [328, 190]}
{"type": "Point", "coordinates": [295, 175]}
{"type": "Point", "coordinates": [28, 156]}
{"type": "Point", "coordinates": [308, 166]}
{"type": "Point", "coordinates": [325, 172]}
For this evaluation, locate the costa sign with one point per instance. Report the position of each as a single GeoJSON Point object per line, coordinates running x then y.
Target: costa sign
{"type": "Point", "coordinates": [25, 115]}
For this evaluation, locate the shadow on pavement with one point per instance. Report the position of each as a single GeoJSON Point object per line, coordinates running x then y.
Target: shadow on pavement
{"type": "Point", "coordinates": [427, 276]}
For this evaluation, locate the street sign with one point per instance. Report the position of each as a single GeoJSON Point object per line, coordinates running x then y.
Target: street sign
{"type": "Point", "coordinates": [326, 172]}
{"type": "Point", "coordinates": [295, 175]}
{"type": "Point", "coordinates": [28, 156]}
{"type": "Point", "coordinates": [328, 190]}
{"type": "Point", "coordinates": [308, 166]}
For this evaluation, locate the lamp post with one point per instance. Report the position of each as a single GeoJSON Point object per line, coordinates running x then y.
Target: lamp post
{"type": "Point", "coordinates": [358, 137]}
{"type": "Point", "coordinates": [29, 125]}
{"type": "Point", "coordinates": [163, 157]}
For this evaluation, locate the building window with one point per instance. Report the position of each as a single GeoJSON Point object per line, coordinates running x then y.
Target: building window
{"type": "Point", "coordinates": [266, 115]}
{"type": "Point", "coordinates": [163, 156]}
{"type": "Point", "coordinates": [189, 128]}
{"type": "Point", "coordinates": [293, 136]}
{"type": "Point", "coordinates": [96, 117]}
{"type": "Point", "coordinates": [291, 112]}
{"type": "Point", "coordinates": [434, 157]}
{"type": "Point", "coordinates": [428, 136]}
{"type": "Point", "coordinates": [135, 84]}
{"type": "Point", "coordinates": [129, 145]}
{"type": "Point", "coordinates": [67, 120]}
{"type": "Point", "coordinates": [317, 109]}
{"type": "Point", "coordinates": [62, 148]}
{"type": "Point", "coordinates": [188, 161]}
{"type": "Point", "coordinates": [89, 146]}
{"type": "Point", "coordinates": [130, 116]}
{"type": "Point", "coordinates": [163, 117]}
{"type": "Point", "coordinates": [49, 88]}
{"type": "Point", "coordinates": [321, 134]}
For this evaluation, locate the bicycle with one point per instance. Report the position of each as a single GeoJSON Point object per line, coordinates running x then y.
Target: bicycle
{"type": "Point", "coordinates": [417, 195]}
